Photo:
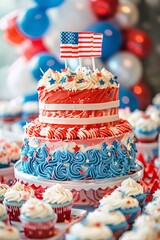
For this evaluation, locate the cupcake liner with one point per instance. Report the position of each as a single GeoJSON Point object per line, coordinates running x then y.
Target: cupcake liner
{"type": "Point", "coordinates": [13, 212]}
{"type": "Point", "coordinates": [119, 229]}
{"type": "Point", "coordinates": [63, 212]}
{"type": "Point", "coordinates": [38, 230]}
{"type": "Point", "coordinates": [131, 214]}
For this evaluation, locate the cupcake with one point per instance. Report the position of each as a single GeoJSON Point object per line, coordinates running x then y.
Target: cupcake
{"type": "Point", "coordinates": [3, 214]}
{"type": "Point", "coordinates": [130, 188]}
{"type": "Point", "coordinates": [134, 116]}
{"type": "Point", "coordinates": [116, 221]}
{"type": "Point", "coordinates": [38, 219]}
{"type": "Point", "coordinates": [13, 200]}
{"type": "Point", "coordinates": [156, 195]}
{"type": "Point", "coordinates": [3, 189]}
{"type": "Point", "coordinates": [4, 157]}
{"type": "Point", "coordinates": [129, 206]}
{"type": "Point", "coordinates": [61, 200]}
{"type": "Point", "coordinates": [10, 111]}
{"type": "Point", "coordinates": [8, 232]}
{"type": "Point", "coordinates": [153, 209]}
{"type": "Point", "coordinates": [144, 233]}
{"type": "Point", "coordinates": [154, 113]}
{"type": "Point", "coordinates": [83, 231]}
{"type": "Point", "coordinates": [146, 129]}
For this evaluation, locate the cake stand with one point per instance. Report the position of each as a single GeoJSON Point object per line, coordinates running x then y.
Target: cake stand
{"type": "Point", "coordinates": [85, 192]}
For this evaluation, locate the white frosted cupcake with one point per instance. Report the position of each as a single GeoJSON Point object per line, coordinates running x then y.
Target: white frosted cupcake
{"type": "Point", "coordinates": [130, 188]}
{"type": "Point", "coordinates": [153, 209]}
{"type": "Point", "coordinates": [116, 221]}
{"type": "Point", "coordinates": [83, 231]}
{"type": "Point", "coordinates": [38, 219]}
{"type": "Point", "coordinates": [156, 195]}
{"type": "Point", "coordinates": [61, 200]}
{"type": "Point", "coordinates": [13, 200]}
{"type": "Point", "coordinates": [8, 232]}
{"type": "Point", "coordinates": [145, 233]}
{"type": "Point", "coordinates": [3, 189]}
{"type": "Point", "coordinates": [129, 206]}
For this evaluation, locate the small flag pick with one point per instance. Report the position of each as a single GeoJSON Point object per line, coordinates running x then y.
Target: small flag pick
{"type": "Point", "coordinates": [80, 45]}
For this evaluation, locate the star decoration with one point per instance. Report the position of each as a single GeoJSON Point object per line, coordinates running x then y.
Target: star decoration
{"type": "Point", "coordinates": [25, 158]}
{"type": "Point", "coordinates": [101, 82]}
{"type": "Point", "coordinates": [48, 158]}
{"type": "Point", "coordinates": [70, 79]}
{"type": "Point", "coordinates": [80, 80]}
{"type": "Point", "coordinates": [87, 161]}
{"type": "Point", "coordinates": [52, 81]}
{"type": "Point", "coordinates": [84, 145]}
{"type": "Point", "coordinates": [115, 77]}
{"type": "Point", "coordinates": [104, 145]}
{"type": "Point", "coordinates": [76, 148]}
{"type": "Point", "coordinates": [40, 88]}
{"type": "Point", "coordinates": [63, 80]}
{"type": "Point", "coordinates": [111, 81]}
{"type": "Point", "coordinates": [99, 74]}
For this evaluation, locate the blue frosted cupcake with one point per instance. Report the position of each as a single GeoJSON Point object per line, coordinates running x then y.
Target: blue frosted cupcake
{"type": "Point", "coordinates": [83, 231]}
{"type": "Point", "coordinates": [116, 221]}
{"type": "Point", "coordinates": [38, 219]}
{"type": "Point", "coordinates": [61, 200]}
{"type": "Point", "coordinates": [130, 188]}
{"type": "Point", "coordinates": [129, 206]}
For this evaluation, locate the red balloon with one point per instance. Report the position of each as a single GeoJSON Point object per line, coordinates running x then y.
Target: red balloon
{"type": "Point", "coordinates": [104, 8]}
{"type": "Point", "coordinates": [11, 32]}
{"type": "Point", "coordinates": [137, 42]}
{"type": "Point", "coordinates": [143, 94]}
{"type": "Point", "coordinates": [29, 48]}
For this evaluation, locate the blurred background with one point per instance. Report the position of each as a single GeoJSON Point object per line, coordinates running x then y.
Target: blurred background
{"type": "Point", "coordinates": [29, 41]}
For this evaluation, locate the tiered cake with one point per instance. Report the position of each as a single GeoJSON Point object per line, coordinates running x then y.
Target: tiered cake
{"type": "Point", "coordinates": [78, 134]}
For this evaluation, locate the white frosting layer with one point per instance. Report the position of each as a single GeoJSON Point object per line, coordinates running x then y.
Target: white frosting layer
{"type": "Point", "coordinates": [91, 79]}
{"type": "Point", "coordinates": [116, 201]}
{"type": "Point", "coordinates": [106, 218]}
{"type": "Point", "coordinates": [125, 113]}
{"type": "Point", "coordinates": [156, 99]}
{"type": "Point", "coordinates": [21, 187]}
{"type": "Point", "coordinates": [4, 155]}
{"type": "Point", "coordinates": [3, 189]}
{"type": "Point", "coordinates": [154, 113]}
{"type": "Point", "coordinates": [3, 210]}
{"type": "Point", "coordinates": [145, 124]}
{"type": "Point", "coordinates": [130, 187]}
{"type": "Point", "coordinates": [35, 208]}
{"type": "Point", "coordinates": [57, 194]}
{"type": "Point", "coordinates": [153, 209]}
{"type": "Point", "coordinates": [134, 117]}
{"type": "Point", "coordinates": [144, 233]}
{"type": "Point", "coordinates": [156, 195]}
{"type": "Point", "coordinates": [16, 196]}
{"type": "Point", "coordinates": [83, 232]}
{"type": "Point", "coordinates": [8, 232]}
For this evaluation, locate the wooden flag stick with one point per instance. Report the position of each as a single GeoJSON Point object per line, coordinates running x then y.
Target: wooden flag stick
{"type": "Point", "coordinates": [93, 64]}
{"type": "Point", "coordinates": [66, 65]}
{"type": "Point", "coordinates": [80, 63]}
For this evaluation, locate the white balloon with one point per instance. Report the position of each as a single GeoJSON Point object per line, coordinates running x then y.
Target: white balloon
{"type": "Point", "coordinates": [127, 67]}
{"type": "Point", "coordinates": [20, 80]}
{"type": "Point", "coordinates": [72, 15]}
{"type": "Point", "coordinates": [127, 15]}
{"type": "Point", "coordinates": [73, 63]}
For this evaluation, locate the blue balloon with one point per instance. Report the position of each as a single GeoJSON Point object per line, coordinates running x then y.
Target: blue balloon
{"type": "Point", "coordinates": [112, 37]}
{"type": "Point", "coordinates": [33, 22]}
{"type": "Point", "coordinates": [128, 99]}
{"type": "Point", "coordinates": [30, 97]}
{"type": "Point", "coordinates": [42, 62]}
{"type": "Point", "coordinates": [49, 3]}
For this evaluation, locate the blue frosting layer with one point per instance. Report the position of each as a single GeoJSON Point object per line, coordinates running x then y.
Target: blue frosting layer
{"type": "Point", "coordinates": [106, 162]}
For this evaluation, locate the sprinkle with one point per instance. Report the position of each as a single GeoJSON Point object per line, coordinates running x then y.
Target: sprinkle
{"type": "Point", "coordinates": [76, 148]}
{"type": "Point", "coordinates": [81, 172]}
{"type": "Point", "coordinates": [99, 74]}
{"type": "Point", "coordinates": [111, 81]}
{"type": "Point", "coordinates": [9, 229]}
{"type": "Point", "coordinates": [40, 88]}
{"type": "Point", "coordinates": [97, 224]}
{"type": "Point", "coordinates": [63, 79]}
{"type": "Point", "coordinates": [70, 79]}
{"type": "Point", "coordinates": [52, 81]}
{"type": "Point", "coordinates": [25, 158]}
{"type": "Point", "coordinates": [128, 202]}
{"type": "Point", "coordinates": [101, 82]}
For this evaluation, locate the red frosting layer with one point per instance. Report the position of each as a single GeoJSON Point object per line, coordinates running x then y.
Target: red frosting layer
{"type": "Point", "coordinates": [34, 128]}
{"type": "Point", "coordinates": [62, 96]}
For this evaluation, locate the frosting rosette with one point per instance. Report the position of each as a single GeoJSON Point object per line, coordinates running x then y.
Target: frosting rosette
{"type": "Point", "coordinates": [106, 218]}
{"type": "Point", "coordinates": [130, 187]}
{"type": "Point", "coordinates": [16, 196]}
{"type": "Point", "coordinates": [21, 187]}
{"type": "Point", "coordinates": [57, 195]}
{"type": "Point", "coordinates": [36, 209]}
{"type": "Point", "coordinates": [8, 232]}
{"type": "Point", "coordinates": [3, 189]}
{"type": "Point", "coordinates": [82, 231]}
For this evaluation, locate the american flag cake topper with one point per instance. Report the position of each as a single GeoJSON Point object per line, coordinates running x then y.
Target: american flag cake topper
{"type": "Point", "coordinates": [80, 44]}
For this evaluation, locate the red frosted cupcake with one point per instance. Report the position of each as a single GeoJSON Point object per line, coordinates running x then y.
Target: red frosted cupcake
{"type": "Point", "coordinates": [38, 219]}
{"type": "Point", "coordinates": [61, 200]}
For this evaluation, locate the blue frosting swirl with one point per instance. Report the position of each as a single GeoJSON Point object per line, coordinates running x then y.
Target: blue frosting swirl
{"type": "Point", "coordinates": [64, 157]}
{"type": "Point", "coordinates": [60, 172]}
{"type": "Point", "coordinates": [80, 158]}
{"type": "Point", "coordinates": [42, 154]}
{"type": "Point", "coordinates": [75, 171]}
{"type": "Point", "coordinates": [94, 157]}
{"type": "Point", "coordinates": [103, 171]}
{"type": "Point", "coordinates": [44, 170]}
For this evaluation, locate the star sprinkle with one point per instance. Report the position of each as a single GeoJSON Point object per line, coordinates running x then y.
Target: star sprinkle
{"type": "Point", "coordinates": [52, 81]}
{"type": "Point", "coordinates": [99, 74]}
{"type": "Point", "coordinates": [80, 80]}
{"type": "Point", "coordinates": [101, 82]}
{"type": "Point", "coordinates": [25, 158]}
{"type": "Point", "coordinates": [63, 80]}
{"type": "Point", "coordinates": [70, 79]}
{"type": "Point", "coordinates": [111, 81]}
{"type": "Point", "coordinates": [76, 148]}
{"type": "Point", "coordinates": [104, 145]}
